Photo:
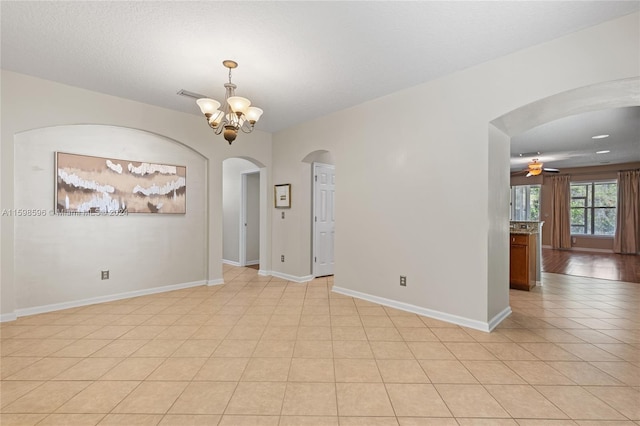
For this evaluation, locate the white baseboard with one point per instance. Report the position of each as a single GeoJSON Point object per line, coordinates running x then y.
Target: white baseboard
{"type": "Point", "coordinates": [8, 317]}
{"type": "Point", "coordinates": [231, 262]}
{"type": "Point", "coordinates": [442, 316]}
{"type": "Point", "coordinates": [293, 278]}
{"type": "Point", "coordinates": [264, 273]}
{"type": "Point", "coordinates": [102, 299]}
{"type": "Point", "coordinates": [252, 262]}
{"type": "Point", "coordinates": [218, 281]}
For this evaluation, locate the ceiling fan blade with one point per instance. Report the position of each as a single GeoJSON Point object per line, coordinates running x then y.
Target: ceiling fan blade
{"type": "Point", "coordinates": [551, 170]}
{"type": "Point", "coordinates": [528, 174]}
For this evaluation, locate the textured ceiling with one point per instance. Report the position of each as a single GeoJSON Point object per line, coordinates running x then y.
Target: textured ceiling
{"type": "Point", "coordinates": [297, 60]}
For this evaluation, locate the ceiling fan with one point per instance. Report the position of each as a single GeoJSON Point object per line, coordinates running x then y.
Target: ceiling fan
{"type": "Point", "coordinates": [535, 168]}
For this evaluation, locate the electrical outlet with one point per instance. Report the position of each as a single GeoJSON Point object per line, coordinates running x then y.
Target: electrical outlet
{"type": "Point", "coordinates": [282, 215]}
{"type": "Point", "coordinates": [282, 258]}
{"type": "Point", "coordinates": [403, 281]}
{"type": "Point", "coordinates": [104, 275]}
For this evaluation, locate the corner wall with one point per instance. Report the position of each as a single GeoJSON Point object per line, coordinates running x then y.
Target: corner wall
{"type": "Point", "coordinates": [405, 204]}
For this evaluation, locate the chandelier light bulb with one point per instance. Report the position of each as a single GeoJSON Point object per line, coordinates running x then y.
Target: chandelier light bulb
{"type": "Point", "coordinates": [208, 106]}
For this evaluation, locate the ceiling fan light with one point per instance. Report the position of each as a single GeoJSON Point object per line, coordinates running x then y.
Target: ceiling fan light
{"type": "Point", "coordinates": [239, 104]}
{"type": "Point", "coordinates": [207, 105]}
{"type": "Point", "coordinates": [534, 172]}
{"type": "Point", "coordinates": [253, 114]}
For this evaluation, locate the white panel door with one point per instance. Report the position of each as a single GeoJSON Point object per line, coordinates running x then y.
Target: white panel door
{"type": "Point", "coordinates": [324, 186]}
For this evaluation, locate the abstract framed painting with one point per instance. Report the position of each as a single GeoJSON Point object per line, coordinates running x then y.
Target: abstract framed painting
{"type": "Point", "coordinates": [87, 184]}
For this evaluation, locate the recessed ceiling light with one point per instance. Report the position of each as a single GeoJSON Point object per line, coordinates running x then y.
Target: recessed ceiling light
{"type": "Point", "coordinates": [599, 136]}
{"type": "Point", "coordinates": [606, 151]}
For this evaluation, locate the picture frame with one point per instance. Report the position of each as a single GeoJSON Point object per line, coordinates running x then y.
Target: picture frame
{"type": "Point", "coordinates": [282, 196]}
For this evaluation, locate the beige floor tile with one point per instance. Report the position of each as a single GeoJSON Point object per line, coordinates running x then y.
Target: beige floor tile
{"type": "Point", "coordinates": [133, 369]}
{"type": "Point", "coordinates": [352, 349]}
{"type": "Point", "coordinates": [45, 369]}
{"type": "Point", "coordinates": [177, 369]}
{"type": "Point", "coordinates": [36, 347]}
{"type": "Point", "coordinates": [279, 332]}
{"type": "Point", "coordinates": [267, 370]}
{"type": "Point", "coordinates": [577, 403]}
{"type": "Point", "coordinates": [311, 370]}
{"type": "Point", "coordinates": [430, 350]}
{"type": "Point", "coordinates": [10, 390]}
{"type": "Point", "coordinates": [285, 320]}
{"type": "Point", "coordinates": [310, 399]}
{"type": "Point", "coordinates": [274, 348]}
{"type": "Point", "coordinates": [383, 334]}
{"type": "Point", "coordinates": [314, 333]}
{"type": "Point", "coordinates": [486, 422]}
{"type": "Point", "coordinates": [189, 420]}
{"type": "Point", "coordinates": [313, 349]}
{"type": "Point", "coordinates": [348, 333]}
{"type": "Point", "coordinates": [368, 321]}
{"type": "Point", "coordinates": [246, 332]}
{"type": "Point", "coordinates": [235, 348]}
{"type": "Point", "coordinates": [178, 331]}
{"type": "Point", "coordinates": [308, 421]}
{"type": "Point", "coordinates": [626, 372]}
{"type": "Point", "coordinates": [71, 420]}
{"type": "Point", "coordinates": [623, 399]}
{"type": "Point", "coordinates": [392, 350]}
{"type": "Point", "coordinates": [447, 371]}
{"type": "Point", "coordinates": [45, 398]}
{"type": "Point", "coordinates": [401, 371]}
{"type": "Point", "coordinates": [11, 365]}
{"type": "Point", "coordinates": [417, 400]}
{"type": "Point", "coordinates": [131, 420]}
{"type": "Point", "coordinates": [89, 369]}
{"type": "Point", "coordinates": [583, 373]}
{"type": "Point", "coordinates": [356, 370]}
{"type": "Point", "coordinates": [196, 349]}
{"type": "Point", "coordinates": [204, 398]}
{"type": "Point", "coordinates": [549, 352]}
{"type": "Point", "coordinates": [417, 334]}
{"type": "Point", "coordinates": [509, 351]}
{"type": "Point", "coordinates": [151, 398]}
{"type": "Point", "coordinates": [81, 348]}
{"type": "Point", "coordinates": [523, 401]}
{"type": "Point", "coordinates": [353, 321]}
{"type": "Point", "coordinates": [20, 419]}
{"type": "Point", "coordinates": [368, 421]}
{"type": "Point", "coordinates": [452, 335]}
{"type": "Point", "coordinates": [469, 351]}
{"type": "Point", "coordinates": [99, 397]}
{"type": "Point", "coordinates": [222, 369]}
{"type": "Point", "coordinates": [539, 373]}
{"type": "Point", "coordinates": [588, 352]}
{"type": "Point", "coordinates": [119, 349]}
{"type": "Point", "coordinates": [211, 332]}
{"type": "Point", "coordinates": [363, 399]}
{"type": "Point", "coordinates": [493, 373]}
{"type": "Point", "coordinates": [316, 320]}
{"type": "Point", "coordinates": [470, 401]}
{"type": "Point", "coordinates": [257, 398]}
{"type": "Point", "coordinates": [235, 420]}
{"type": "Point", "coordinates": [144, 332]}
{"type": "Point", "coordinates": [110, 332]}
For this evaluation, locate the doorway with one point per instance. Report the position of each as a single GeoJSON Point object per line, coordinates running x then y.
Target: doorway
{"type": "Point", "coordinates": [250, 220]}
{"type": "Point", "coordinates": [324, 185]}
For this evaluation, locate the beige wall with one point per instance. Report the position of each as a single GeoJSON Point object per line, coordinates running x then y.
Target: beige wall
{"type": "Point", "coordinates": [61, 105]}
{"type": "Point", "coordinates": [405, 203]}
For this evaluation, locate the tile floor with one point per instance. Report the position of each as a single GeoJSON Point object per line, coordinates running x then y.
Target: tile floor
{"type": "Point", "coordinates": [261, 351]}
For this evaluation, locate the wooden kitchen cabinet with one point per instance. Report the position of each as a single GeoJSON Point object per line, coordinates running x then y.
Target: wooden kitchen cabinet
{"type": "Point", "coordinates": [522, 266]}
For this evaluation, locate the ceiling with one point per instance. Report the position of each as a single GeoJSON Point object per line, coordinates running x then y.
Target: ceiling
{"type": "Point", "coordinates": [297, 60]}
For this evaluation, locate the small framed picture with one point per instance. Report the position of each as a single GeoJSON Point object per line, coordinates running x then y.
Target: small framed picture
{"type": "Point", "coordinates": [282, 196]}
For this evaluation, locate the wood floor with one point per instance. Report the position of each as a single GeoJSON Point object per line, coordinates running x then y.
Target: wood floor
{"type": "Point", "coordinates": [608, 266]}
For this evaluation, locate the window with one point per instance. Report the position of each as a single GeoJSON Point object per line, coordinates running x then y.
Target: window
{"type": "Point", "coordinates": [525, 202]}
{"type": "Point", "coordinates": [593, 208]}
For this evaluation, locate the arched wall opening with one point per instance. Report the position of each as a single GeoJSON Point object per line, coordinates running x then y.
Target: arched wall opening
{"type": "Point", "coordinates": [610, 94]}
{"type": "Point", "coordinates": [142, 252]}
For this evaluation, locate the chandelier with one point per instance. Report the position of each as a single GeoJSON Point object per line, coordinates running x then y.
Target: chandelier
{"type": "Point", "coordinates": [236, 113]}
